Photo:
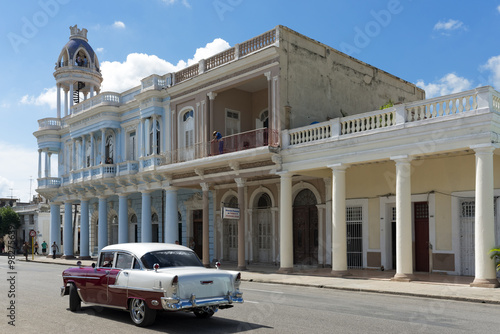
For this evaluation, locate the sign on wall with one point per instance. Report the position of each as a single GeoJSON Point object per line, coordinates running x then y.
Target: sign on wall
{"type": "Point", "coordinates": [230, 213]}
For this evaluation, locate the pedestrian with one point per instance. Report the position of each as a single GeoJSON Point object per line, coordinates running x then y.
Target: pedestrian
{"type": "Point", "coordinates": [44, 247]}
{"type": "Point", "coordinates": [218, 138]}
{"type": "Point", "coordinates": [25, 250]}
{"type": "Point", "coordinates": [36, 248]}
{"type": "Point", "coordinates": [55, 249]}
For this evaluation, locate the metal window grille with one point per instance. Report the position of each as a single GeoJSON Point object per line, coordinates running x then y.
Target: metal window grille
{"type": "Point", "coordinates": [354, 220]}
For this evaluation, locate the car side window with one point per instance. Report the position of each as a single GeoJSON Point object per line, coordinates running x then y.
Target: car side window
{"type": "Point", "coordinates": [137, 265]}
{"type": "Point", "coordinates": [106, 259]}
{"type": "Point", "coordinates": [124, 261]}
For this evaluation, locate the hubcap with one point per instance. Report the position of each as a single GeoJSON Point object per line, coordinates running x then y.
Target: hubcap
{"type": "Point", "coordinates": [138, 310]}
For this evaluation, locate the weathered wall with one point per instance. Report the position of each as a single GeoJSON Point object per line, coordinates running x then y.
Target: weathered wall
{"type": "Point", "coordinates": [319, 82]}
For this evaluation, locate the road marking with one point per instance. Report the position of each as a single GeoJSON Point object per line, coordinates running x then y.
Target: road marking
{"type": "Point", "coordinates": [267, 291]}
{"type": "Point", "coordinates": [251, 302]}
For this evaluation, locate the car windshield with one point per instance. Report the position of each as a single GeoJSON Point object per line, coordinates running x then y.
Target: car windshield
{"type": "Point", "coordinates": [171, 258]}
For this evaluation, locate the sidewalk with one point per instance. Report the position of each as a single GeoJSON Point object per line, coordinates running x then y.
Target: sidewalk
{"type": "Point", "coordinates": [439, 286]}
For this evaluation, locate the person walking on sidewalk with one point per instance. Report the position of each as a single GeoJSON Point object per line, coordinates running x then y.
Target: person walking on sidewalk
{"type": "Point", "coordinates": [44, 247]}
{"type": "Point", "coordinates": [25, 250]}
{"type": "Point", "coordinates": [55, 249]}
{"type": "Point", "coordinates": [36, 248]}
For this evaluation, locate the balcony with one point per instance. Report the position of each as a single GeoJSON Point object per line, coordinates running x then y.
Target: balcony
{"type": "Point", "coordinates": [437, 109]}
{"type": "Point", "coordinates": [51, 123]}
{"type": "Point", "coordinates": [49, 182]}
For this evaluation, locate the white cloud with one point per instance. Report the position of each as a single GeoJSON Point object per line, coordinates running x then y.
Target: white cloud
{"type": "Point", "coordinates": [498, 8]}
{"type": "Point", "coordinates": [493, 65]}
{"type": "Point", "coordinates": [119, 25]}
{"type": "Point", "coordinates": [120, 76]}
{"type": "Point", "coordinates": [25, 160]}
{"type": "Point", "coordinates": [448, 84]}
{"type": "Point", "coordinates": [171, 2]}
{"type": "Point", "coordinates": [47, 97]}
{"type": "Point", "coordinates": [99, 50]}
{"type": "Point", "coordinates": [449, 25]}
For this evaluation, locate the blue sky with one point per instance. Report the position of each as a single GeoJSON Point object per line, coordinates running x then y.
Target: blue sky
{"type": "Point", "coordinates": [442, 46]}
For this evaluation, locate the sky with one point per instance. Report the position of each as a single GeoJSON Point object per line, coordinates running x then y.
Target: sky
{"type": "Point", "coordinates": [441, 46]}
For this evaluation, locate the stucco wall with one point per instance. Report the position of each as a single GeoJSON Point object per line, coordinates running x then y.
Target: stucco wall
{"type": "Point", "coordinates": [319, 82]}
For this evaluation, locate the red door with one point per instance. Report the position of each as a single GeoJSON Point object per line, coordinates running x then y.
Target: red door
{"type": "Point", "coordinates": [421, 218]}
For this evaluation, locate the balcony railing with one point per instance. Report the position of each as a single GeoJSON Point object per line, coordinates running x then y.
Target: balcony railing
{"type": "Point", "coordinates": [50, 123]}
{"type": "Point", "coordinates": [49, 182]}
{"type": "Point", "coordinates": [359, 124]}
{"type": "Point", "coordinates": [241, 141]}
{"type": "Point", "coordinates": [107, 99]}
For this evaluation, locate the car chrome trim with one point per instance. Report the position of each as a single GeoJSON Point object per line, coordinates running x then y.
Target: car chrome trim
{"type": "Point", "coordinates": [172, 304]}
{"type": "Point", "coordinates": [81, 277]}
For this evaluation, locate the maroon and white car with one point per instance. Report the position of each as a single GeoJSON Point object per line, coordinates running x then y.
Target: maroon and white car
{"type": "Point", "coordinates": [144, 278]}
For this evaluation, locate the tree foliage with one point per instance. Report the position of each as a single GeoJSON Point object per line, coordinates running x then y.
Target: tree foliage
{"type": "Point", "coordinates": [8, 218]}
{"type": "Point", "coordinates": [495, 254]}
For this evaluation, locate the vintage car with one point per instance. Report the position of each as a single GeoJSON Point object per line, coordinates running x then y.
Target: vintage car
{"type": "Point", "coordinates": [144, 278]}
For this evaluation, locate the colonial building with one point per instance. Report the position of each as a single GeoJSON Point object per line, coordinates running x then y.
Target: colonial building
{"type": "Point", "coordinates": [274, 151]}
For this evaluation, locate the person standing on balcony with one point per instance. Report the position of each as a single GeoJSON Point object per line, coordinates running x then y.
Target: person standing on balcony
{"type": "Point", "coordinates": [218, 138]}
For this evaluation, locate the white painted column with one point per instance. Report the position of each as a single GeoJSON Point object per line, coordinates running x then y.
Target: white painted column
{"type": "Point", "coordinates": [55, 227]}
{"type": "Point", "coordinates": [155, 136]}
{"type": "Point", "coordinates": [328, 220]}
{"type": "Point", "coordinates": [339, 227]}
{"type": "Point", "coordinates": [147, 122]}
{"type": "Point", "coordinates": [91, 91]}
{"type": "Point", "coordinates": [103, 146]}
{"type": "Point", "coordinates": [484, 230]}
{"type": "Point", "coordinates": [73, 155]}
{"type": "Point", "coordinates": [171, 218]}
{"type": "Point", "coordinates": [84, 229]}
{"type": "Point", "coordinates": [240, 183]}
{"type": "Point", "coordinates": [102, 231]}
{"type": "Point", "coordinates": [49, 155]}
{"type": "Point", "coordinates": [39, 163]}
{"type": "Point", "coordinates": [58, 87]}
{"type": "Point", "coordinates": [146, 226]}
{"type": "Point", "coordinates": [206, 226]}
{"type": "Point", "coordinates": [70, 97]}
{"type": "Point", "coordinates": [122, 218]}
{"type": "Point", "coordinates": [68, 231]}
{"type": "Point", "coordinates": [404, 252]}
{"type": "Point", "coordinates": [286, 223]}
{"type": "Point", "coordinates": [66, 106]}
{"type": "Point", "coordinates": [46, 171]}
{"type": "Point", "coordinates": [92, 149]}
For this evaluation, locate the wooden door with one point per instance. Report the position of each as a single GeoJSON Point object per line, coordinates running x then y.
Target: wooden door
{"type": "Point", "coordinates": [421, 218]}
{"type": "Point", "coordinates": [305, 235]}
{"type": "Point", "coordinates": [198, 232]}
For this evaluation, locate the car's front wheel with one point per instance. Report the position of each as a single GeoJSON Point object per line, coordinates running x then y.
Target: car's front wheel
{"type": "Point", "coordinates": [75, 303]}
{"type": "Point", "coordinates": [140, 313]}
{"type": "Point", "coordinates": [203, 312]}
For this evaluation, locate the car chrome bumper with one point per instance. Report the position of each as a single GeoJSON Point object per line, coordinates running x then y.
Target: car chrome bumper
{"type": "Point", "coordinates": [170, 304]}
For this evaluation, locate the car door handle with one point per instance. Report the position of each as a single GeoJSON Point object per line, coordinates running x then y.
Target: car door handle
{"type": "Point", "coordinates": [125, 273]}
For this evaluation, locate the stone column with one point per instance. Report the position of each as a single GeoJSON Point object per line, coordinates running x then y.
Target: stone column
{"type": "Point", "coordinates": [70, 97]}
{"type": "Point", "coordinates": [171, 218]}
{"type": "Point", "coordinates": [122, 218]}
{"type": "Point", "coordinates": [66, 105]}
{"type": "Point", "coordinates": [286, 223]}
{"type": "Point", "coordinates": [328, 220]}
{"type": "Point", "coordinates": [103, 146]}
{"type": "Point", "coordinates": [92, 149]}
{"type": "Point", "coordinates": [91, 91]}
{"type": "Point", "coordinates": [404, 254]}
{"type": "Point", "coordinates": [73, 154]}
{"type": "Point", "coordinates": [68, 231]}
{"type": "Point", "coordinates": [484, 229]}
{"type": "Point", "coordinates": [146, 226]}
{"type": "Point", "coordinates": [206, 226]}
{"type": "Point", "coordinates": [155, 136]}
{"type": "Point", "coordinates": [55, 227]}
{"type": "Point", "coordinates": [58, 87]}
{"type": "Point", "coordinates": [84, 229]}
{"type": "Point", "coordinates": [339, 227]}
{"type": "Point", "coordinates": [46, 171]}
{"type": "Point", "coordinates": [49, 154]}
{"type": "Point", "coordinates": [241, 223]}
{"type": "Point", "coordinates": [102, 233]}
{"type": "Point", "coordinates": [39, 163]}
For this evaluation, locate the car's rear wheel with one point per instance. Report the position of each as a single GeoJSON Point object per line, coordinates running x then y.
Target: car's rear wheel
{"type": "Point", "coordinates": [75, 303]}
{"type": "Point", "coordinates": [203, 312]}
{"type": "Point", "coordinates": [140, 313]}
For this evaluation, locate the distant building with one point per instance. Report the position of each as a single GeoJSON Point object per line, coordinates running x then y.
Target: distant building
{"type": "Point", "coordinates": [315, 174]}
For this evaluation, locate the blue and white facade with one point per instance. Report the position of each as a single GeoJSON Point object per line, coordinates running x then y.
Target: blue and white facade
{"type": "Point", "coordinates": [319, 174]}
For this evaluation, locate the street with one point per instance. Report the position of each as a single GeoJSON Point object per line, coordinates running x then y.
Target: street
{"type": "Point", "coordinates": [268, 308]}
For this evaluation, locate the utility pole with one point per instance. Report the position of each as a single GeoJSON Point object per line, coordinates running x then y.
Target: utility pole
{"type": "Point", "coordinates": [31, 180]}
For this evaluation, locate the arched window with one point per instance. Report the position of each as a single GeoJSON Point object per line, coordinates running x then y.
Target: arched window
{"type": "Point", "coordinates": [109, 149]}
{"type": "Point", "coordinates": [154, 147]}
{"type": "Point", "coordinates": [264, 201]}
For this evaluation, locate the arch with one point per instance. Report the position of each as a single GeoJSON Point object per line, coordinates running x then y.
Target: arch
{"type": "Point", "coordinates": [306, 185]}
{"type": "Point", "coordinates": [63, 59]}
{"type": "Point", "coordinates": [81, 58]}
{"type": "Point", "coordinates": [226, 197]}
{"type": "Point", "coordinates": [112, 226]}
{"type": "Point", "coordinates": [254, 197]}
{"type": "Point", "coordinates": [305, 225]}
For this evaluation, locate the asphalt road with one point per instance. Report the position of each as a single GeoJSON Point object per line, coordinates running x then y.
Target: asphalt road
{"type": "Point", "coordinates": [268, 308]}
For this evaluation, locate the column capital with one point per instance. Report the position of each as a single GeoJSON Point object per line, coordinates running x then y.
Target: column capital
{"type": "Point", "coordinates": [284, 174]}
{"type": "Point", "coordinates": [268, 75]}
{"type": "Point", "coordinates": [205, 186]}
{"type": "Point", "coordinates": [401, 158]}
{"type": "Point", "coordinates": [211, 95]}
{"type": "Point", "coordinates": [484, 148]}
{"type": "Point", "coordinates": [240, 182]}
{"type": "Point", "coordinates": [338, 167]}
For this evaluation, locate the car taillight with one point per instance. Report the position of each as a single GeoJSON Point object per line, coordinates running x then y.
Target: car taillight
{"type": "Point", "coordinates": [175, 284]}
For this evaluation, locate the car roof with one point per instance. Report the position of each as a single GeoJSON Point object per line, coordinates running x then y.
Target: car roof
{"type": "Point", "coordinates": [141, 248]}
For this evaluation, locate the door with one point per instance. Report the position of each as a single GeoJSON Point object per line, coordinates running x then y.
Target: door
{"type": "Point", "coordinates": [305, 235]}
{"type": "Point", "coordinates": [198, 232]}
{"type": "Point", "coordinates": [421, 219]}
{"type": "Point", "coordinates": [264, 235]}
{"type": "Point", "coordinates": [354, 221]}
{"type": "Point", "coordinates": [467, 216]}
{"type": "Point", "coordinates": [187, 133]}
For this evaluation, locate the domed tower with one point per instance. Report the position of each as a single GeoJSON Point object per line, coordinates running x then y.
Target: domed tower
{"type": "Point", "coordinates": [77, 71]}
